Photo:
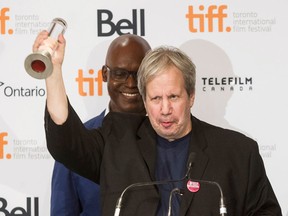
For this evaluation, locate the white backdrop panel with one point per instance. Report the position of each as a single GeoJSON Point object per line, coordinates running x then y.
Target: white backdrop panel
{"type": "Point", "coordinates": [249, 48]}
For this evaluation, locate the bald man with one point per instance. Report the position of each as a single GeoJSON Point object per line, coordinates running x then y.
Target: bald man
{"type": "Point", "coordinates": [73, 194]}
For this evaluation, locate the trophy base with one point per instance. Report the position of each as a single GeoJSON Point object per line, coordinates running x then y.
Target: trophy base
{"type": "Point", "coordinates": [39, 65]}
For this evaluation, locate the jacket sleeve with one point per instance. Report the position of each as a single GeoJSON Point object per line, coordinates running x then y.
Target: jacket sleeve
{"type": "Point", "coordinates": [262, 200]}
{"type": "Point", "coordinates": [71, 144]}
{"type": "Point", "coordinates": [64, 199]}
{"type": "Point", "coordinates": [72, 194]}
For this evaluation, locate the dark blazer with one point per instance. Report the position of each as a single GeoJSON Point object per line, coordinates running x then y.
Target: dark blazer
{"type": "Point", "coordinates": [123, 152]}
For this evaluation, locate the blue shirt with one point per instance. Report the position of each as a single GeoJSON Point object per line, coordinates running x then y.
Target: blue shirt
{"type": "Point", "coordinates": [72, 194]}
{"type": "Point", "coordinates": [171, 164]}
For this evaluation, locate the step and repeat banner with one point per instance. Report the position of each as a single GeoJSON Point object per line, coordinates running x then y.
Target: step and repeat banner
{"type": "Point", "coordinates": [239, 48]}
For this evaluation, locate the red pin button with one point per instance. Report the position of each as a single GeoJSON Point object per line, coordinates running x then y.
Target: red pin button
{"type": "Point", "coordinates": [193, 186]}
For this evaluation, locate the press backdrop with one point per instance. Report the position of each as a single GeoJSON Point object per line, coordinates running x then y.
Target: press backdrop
{"type": "Point", "coordinates": [239, 48]}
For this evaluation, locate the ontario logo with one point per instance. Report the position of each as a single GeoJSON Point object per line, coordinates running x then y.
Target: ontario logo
{"type": "Point", "coordinates": [12, 91]}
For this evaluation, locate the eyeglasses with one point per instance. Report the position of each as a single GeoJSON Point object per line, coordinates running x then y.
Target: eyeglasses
{"type": "Point", "coordinates": [122, 75]}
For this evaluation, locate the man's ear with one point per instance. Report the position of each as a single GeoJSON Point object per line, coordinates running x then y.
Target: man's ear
{"type": "Point", "coordinates": [104, 73]}
{"type": "Point", "coordinates": [192, 99]}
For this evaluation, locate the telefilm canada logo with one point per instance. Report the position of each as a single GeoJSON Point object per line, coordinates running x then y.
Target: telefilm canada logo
{"type": "Point", "coordinates": [20, 91]}
{"type": "Point", "coordinates": [224, 84]}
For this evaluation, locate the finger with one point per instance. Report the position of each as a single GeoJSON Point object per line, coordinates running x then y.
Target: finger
{"type": "Point", "coordinates": [61, 39]}
{"type": "Point", "coordinates": [61, 42]}
{"type": "Point", "coordinates": [43, 35]}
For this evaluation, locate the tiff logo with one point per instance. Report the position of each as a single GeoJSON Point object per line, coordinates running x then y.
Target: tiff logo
{"type": "Point", "coordinates": [207, 19]}
{"type": "Point", "coordinates": [3, 142]}
{"type": "Point", "coordinates": [3, 21]}
{"type": "Point", "coordinates": [86, 85]}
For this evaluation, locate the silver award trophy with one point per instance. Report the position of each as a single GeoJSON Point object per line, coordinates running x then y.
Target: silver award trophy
{"type": "Point", "coordinates": [38, 64]}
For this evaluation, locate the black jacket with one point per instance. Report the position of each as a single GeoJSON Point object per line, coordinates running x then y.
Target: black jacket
{"type": "Point", "coordinates": [123, 152]}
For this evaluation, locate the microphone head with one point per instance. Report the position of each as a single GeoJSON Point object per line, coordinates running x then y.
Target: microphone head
{"type": "Point", "coordinates": [190, 162]}
{"type": "Point", "coordinates": [191, 159]}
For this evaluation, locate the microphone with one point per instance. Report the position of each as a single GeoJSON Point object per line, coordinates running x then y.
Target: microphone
{"type": "Point", "coordinates": [174, 191]}
{"type": "Point", "coordinates": [190, 162]}
{"type": "Point", "coordinates": [222, 206]}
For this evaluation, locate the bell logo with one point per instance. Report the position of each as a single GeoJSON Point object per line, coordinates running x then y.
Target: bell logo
{"type": "Point", "coordinates": [3, 142]}
{"type": "Point", "coordinates": [206, 21]}
{"type": "Point", "coordinates": [19, 210]}
{"type": "Point", "coordinates": [3, 21]}
{"type": "Point", "coordinates": [123, 26]}
{"type": "Point", "coordinates": [86, 85]}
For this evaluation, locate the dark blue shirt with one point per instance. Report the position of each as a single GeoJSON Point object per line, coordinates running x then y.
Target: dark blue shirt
{"type": "Point", "coordinates": [171, 164]}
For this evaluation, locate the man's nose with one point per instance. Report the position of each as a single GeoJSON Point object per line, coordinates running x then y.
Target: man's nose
{"type": "Point", "coordinates": [166, 107]}
{"type": "Point", "coordinates": [131, 80]}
